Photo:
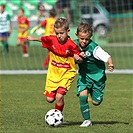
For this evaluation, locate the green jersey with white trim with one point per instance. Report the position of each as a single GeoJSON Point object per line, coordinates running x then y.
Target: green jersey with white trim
{"type": "Point", "coordinates": [91, 67]}
{"type": "Point", "coordinates": [4, 22]}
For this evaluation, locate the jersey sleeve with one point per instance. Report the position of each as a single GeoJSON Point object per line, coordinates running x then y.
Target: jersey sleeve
{"type": "Point", "coordinates": [74, 48]}
{"type": "Point", "coordinates": [100, 54]}
{"type": "Point", "coordinates": [27, 22]}
{"type": "Point", "coordinates": [43, 23]}
{"type": "Point", "coordinates": [8, 17]}
{"type": "Point", "coordinates": [46, 42]}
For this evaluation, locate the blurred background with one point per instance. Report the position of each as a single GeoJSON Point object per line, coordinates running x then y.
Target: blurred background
{"type": "Point", "coordinates": [112, 22]}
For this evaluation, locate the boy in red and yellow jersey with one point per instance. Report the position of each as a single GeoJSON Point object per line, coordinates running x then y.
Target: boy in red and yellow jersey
{"type": "Point", "coordinates": [48, 24]}
{"type": "Point", "coordinates": [62, 68]}
{"type": "Point", "coordinates": [23, 26]}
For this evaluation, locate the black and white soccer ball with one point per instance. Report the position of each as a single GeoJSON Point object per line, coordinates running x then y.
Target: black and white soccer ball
{"type": "Point", "coordinates": [54, 117]}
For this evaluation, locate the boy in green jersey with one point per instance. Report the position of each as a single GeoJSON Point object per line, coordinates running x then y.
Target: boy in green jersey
{"type": "Point", "coordinates": [5, 28]}
{"type": "Point", "coordinates": [91, 74]}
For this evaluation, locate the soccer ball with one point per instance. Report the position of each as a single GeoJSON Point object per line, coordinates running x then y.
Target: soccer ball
{"type": "Point", "coordinates": [54, 117]}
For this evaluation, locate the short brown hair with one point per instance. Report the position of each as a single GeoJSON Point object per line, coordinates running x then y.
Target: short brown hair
{"type": "Point", "coordinates": [85, 28]}
{"type": "Point", "coordinates": [2, 5]}
{"type": "Point", "coordinates": [61, 22]}
{"type": "Point", "coordinates": [52, 13]}
{"type": "Point", "coordinates": [21, 9]}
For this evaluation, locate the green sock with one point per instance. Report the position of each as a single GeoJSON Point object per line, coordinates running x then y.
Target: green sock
{"type": "Point", "coordinates": [84, 107]}
{"type": "Point", "coordinates": [3, 46]}
{"type": "Point", "coordinates": [7, 47]}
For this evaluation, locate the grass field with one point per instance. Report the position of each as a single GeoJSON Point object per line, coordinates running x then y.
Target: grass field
{"type": "Point", "coordinates": [122, 58]}
{"type": "Point", "coordinates": [23, 106]}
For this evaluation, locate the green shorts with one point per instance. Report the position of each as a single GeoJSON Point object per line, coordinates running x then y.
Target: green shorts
{"type": "Point", "coordinates": [95, 89]}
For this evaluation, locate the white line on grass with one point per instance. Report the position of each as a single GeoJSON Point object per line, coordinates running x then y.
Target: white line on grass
{"type": "Point", "coordinates": [107, 90]}
{"type": "Point", "coordinates": [14, 72]}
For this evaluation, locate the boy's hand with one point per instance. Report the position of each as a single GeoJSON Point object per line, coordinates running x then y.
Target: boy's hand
{"type": "Point", "coordinates": [77, 58]}
{"type": "Point", "coordinates": [110, 67]}
{"type": "Point", "coordinates": [82, 54]}
{"type": "Point", "coordinates": [30, 38]}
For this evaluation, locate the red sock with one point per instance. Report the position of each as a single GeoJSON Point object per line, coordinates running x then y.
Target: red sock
{"type": "Point", "coordinates": [24, 49]}
{"type": "Point", "coordinates": [46, 61]}
{"type": "Point", "coordinates": [59, 107]}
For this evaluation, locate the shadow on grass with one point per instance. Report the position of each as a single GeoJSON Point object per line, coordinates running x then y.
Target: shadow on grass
{"type": "Point", "coordinates": [69, 123]}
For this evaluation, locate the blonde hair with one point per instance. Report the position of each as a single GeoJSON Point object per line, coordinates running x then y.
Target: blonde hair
{"type": "Point", "coordinates": [84, 28]}
{"type": "Point", "coordinates": [61, 22]}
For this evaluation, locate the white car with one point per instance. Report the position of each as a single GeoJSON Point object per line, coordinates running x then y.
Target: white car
{"type": "Point", "coordinates": [97, 16]}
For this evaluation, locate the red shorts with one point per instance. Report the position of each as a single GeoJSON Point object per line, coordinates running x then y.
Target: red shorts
{"type": "Point", "coordinates": [60, 90]}
{"type": "Point", "coordinates": [22, 39]}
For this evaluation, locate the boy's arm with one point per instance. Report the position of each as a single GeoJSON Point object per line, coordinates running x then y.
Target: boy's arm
{"type": "Point", "coordinates": [110, 64]}
{"type": "Point", "coordinates": [31, 38]}
{"type": "Point", "coordinates": [43, 23]}
{"type": "Point", "coordinates": [38, 26]}
{"type": "Point", "coordinates": [100, 54]}
{"type": "Point", "coordinates": [76, 55]}
{"type": "Point", "coordinates": [77, 59]}
{"type": "Point", "coordinates": [25, 29]}
{"type": "Point", "coordinates": [10, 31]}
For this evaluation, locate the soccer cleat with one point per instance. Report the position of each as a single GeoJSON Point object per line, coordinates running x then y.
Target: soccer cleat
{"type": "Point", "coordinates": [86, 123]}
{"type": "Point", "coordinates": [26, 55]}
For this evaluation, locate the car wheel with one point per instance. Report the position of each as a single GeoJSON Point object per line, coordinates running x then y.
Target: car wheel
{"type": "Point", "coordinates": [101, 30]}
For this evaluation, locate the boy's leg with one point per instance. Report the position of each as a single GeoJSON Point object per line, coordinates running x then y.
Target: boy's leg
{"type": "Point", "coordinates": [59, 102]}
{"type": "Point", "coordinates": [60, 98]}
{"type": "Point", "coordinates": [18, 42]}
{"type": "Point", "coordinates": [22, 43]}
{"type": "Point", "coordinates": [97, 93]}
{"type": "Point", "coordinates": [3, 39]}
{"type": "Point", "coordinates": [84, 106]}
{"type": "Point", "coordinates": [24, 48]}
{"type": "Point", "coordinates": [3, 46]}
{"type": "Point", "coordinates": [50, 97]}
{"type": "Point", "coordinates": [6, 41]}
{"type": "Point", "coordinates": [7, 47]}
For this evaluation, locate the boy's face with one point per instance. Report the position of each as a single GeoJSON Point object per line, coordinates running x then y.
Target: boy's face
{"type": "Point", "coordinates": [83, 38]}
{"type": "Point", "coordinates": [1, 8]}
{"type": "Point", "coordinates": [62, 34]}
{"type": "Point", "coordinates": [20, 13]}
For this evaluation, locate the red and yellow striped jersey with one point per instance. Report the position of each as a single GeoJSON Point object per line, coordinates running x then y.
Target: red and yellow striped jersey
{"type": "Point", "coordinates": [48, 23]}
{"type": "Point", "coordinates": [62, 68]}
{"type": "Point", "coordinates": [23, 22]}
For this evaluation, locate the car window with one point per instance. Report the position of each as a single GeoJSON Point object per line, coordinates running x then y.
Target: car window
{"type": "Point", "coordinates": [85, 10]}
{"type": "Point", "coordinates": [96, 10]}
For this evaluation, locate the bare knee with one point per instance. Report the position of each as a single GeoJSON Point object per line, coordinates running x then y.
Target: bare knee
{"type": "Point", "coordinates": [96, 103]}
{"type": "Point", "coordinates": [50, 100]}
{"type": "Point", "coordinates": [59, 99]}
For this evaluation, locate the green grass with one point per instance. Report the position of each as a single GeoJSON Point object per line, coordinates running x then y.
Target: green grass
{"type": "Point", "coordinates": [23, 106]}
{"type": "Point", "coordinates": [122, 58]}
